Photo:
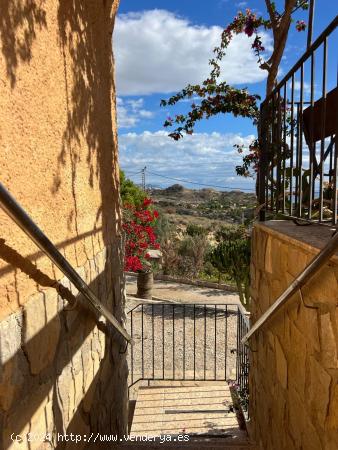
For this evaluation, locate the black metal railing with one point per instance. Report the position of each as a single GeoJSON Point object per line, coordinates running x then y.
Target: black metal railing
{"type": "Point", "coordinates": [298, 137]}
{"type": "Point", "coordinates": [243, 363]}
{"type": "Point", "coordinates": [185, 342]}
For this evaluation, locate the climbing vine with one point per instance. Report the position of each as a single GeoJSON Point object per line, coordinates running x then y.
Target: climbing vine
{"type": "Point", "coordinates": [218, 97]}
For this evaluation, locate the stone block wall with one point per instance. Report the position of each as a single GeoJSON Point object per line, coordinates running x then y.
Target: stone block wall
{"type": "Point", "coordinates": [61, 373]}
{"type": "Point", "coordinates": [294, 359]}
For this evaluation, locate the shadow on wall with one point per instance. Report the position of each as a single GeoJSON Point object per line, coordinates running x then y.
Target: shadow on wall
{"type": "Point", "coordinates": [85, 40]}
{"type": "Point", "coordinates": [18, 23]}
{"type": "Point", "coordinates": [15, 260]}
{"type": "Point", "coordinates": [62, 379]}
{"type": "Point", "coordinates": [85, 31]}
{"type": "Point", "coordinates": [61, 374]}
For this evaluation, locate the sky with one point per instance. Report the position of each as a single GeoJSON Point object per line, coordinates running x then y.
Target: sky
{"type": "Point", "coordinates": [162, 46]}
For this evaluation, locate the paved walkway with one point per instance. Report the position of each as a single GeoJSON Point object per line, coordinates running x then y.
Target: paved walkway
{"type": "Point", "coordinates": [184, 293]}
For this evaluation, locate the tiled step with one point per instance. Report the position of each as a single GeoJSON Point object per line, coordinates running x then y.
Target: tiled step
{"type": "Point", "coordinates": [207, 444]}
{"type": "Point", "coordinates": [199, 410]}
{"type": "Point", "coordinates": [190, 410]}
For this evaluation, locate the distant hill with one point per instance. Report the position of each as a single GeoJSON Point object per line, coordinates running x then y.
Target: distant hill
{"type": "Point", "coordinates": [210, 204]}
{"type": "Point", "coordinates": [179, 192]}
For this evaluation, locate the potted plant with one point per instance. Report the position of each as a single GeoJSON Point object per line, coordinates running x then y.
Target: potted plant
{"type": "Point", "coordinates": [145, 281]}
{"type": "Point", "coordinates": [138, 224]}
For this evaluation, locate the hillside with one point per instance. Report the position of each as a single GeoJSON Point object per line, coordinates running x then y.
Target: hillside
{"type": "Point", "coordinates": [183, 205]}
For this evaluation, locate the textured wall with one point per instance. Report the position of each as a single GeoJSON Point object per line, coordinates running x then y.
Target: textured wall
{"type": "Point", "coordinates": [59, 159]}
{"type": "Point", "coordinates": [57, 148]}
{"type": "Point", "coordinates": [294, 366]}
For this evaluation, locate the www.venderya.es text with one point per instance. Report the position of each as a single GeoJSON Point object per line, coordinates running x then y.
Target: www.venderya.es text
{"type": "Point", "coordinates": [96, 438]}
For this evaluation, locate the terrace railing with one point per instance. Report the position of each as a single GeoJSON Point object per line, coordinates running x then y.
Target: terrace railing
{"type": "Point", "coordinates": [299, 136]}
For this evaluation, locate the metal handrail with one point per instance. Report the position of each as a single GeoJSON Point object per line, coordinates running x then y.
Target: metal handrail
{"type": "Point", "coordinates": [29, 227]}
{"type": "Point", "coordinates": [311, 269]}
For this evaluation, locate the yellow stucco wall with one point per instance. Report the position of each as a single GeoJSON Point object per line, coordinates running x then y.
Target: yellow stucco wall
{"type": "Point", "coordinates": [58, 154]}
{"type": "Point", "coordinates": [59, 371]}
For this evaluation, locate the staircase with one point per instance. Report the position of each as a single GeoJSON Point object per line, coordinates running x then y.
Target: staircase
{"type": "Point", "coordinates": [182, 356]}
{"type": "Point", "coordinates": [196, 415]}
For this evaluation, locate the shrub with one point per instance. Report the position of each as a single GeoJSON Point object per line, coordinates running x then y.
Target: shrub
{"type": "Point", "coordinates": [138, 224]}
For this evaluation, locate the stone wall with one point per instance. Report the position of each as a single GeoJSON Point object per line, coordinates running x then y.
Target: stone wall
{"type": "Point", "coordinates": [59, 372]}
{"type": "Point", "coordinates": [294, 363]}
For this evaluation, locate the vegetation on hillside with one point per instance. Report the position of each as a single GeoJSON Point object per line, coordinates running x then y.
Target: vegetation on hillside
{"type": "Point", "coordinates": [232, 256]}
{"type": "Point", "coordinates": [186, 205]}
{"type": "Point", "coordinates": [130, 193]}
{"type": "Point", "coordinates": [212, 250]}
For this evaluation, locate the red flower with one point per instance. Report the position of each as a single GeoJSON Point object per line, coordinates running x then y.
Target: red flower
{"type": "Point", "coordinates": [133, 264]}
{"type": "Point", "coordinates": [140, 235]}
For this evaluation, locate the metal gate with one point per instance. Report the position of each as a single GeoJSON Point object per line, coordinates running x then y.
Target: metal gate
{"type": "Point", "coordinates": [186, 342]}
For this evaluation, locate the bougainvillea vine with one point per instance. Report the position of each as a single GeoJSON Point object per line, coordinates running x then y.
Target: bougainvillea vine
{"type": "Point", "coordinates": [138, 225]}
{"type": "Point", "coordinates": [219, 97]}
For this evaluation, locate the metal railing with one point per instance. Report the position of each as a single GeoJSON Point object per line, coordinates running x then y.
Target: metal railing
{"type": "Point", "coordinates": [299, 136]}
{"type": "Point", "coordinates": [186, 342]}
{"type": "Point", "coordinates": [243, 363]}
{"type": "Point", "coordinates": [22, 219]}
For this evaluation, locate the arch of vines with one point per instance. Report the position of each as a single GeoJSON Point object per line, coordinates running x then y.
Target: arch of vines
{"type": "Point", "coordinates": [218, 97]}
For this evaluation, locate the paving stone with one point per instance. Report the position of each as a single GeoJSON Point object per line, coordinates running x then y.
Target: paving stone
{"type": "Point", "coordinates": [186, 409]}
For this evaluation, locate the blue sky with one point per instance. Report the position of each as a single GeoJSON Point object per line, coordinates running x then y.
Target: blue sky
{"type": "Point", "coordinates": [160, 47]}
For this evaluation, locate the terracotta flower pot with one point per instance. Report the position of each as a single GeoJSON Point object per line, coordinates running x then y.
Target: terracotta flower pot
{"type": "Point", "coordinates": [145, 282]}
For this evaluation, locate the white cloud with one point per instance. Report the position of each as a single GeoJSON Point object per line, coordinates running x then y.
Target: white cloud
{"type": "Point", "coordinates": [146, 114]}
{"type": "Point", "coordinates": [202, 157]}
{"type": "Point", "coordinates": [130, 112]}
{"type": "Point", "coordinates": [241, 4]}
{"type": "Point", "coordinates": [297, 86]}
{"type": "Point", "coordinates": [159, 52]}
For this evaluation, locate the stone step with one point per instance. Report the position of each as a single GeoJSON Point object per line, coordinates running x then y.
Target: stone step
{"type": "Point", "coordinates": [209, 444]}
{"type": "Point", "coordinates": [200, 411]}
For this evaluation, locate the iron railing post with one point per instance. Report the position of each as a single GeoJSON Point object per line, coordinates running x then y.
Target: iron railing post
{"type": "Point", "coordinates": [262, 166]}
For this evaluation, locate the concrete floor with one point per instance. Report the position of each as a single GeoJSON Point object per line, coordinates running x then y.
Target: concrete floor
{"type": "Point", "coordinates": [184, 293]}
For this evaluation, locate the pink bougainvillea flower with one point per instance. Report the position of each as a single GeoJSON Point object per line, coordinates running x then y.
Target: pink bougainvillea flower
{"type": "Point", "coordinates": [300, 25]}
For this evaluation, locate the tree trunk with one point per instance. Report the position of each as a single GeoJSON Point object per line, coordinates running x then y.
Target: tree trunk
{"type": "Point", "coordinates": [280, 35]}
